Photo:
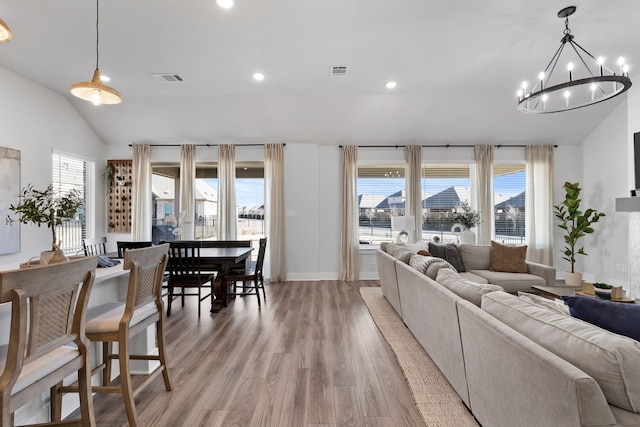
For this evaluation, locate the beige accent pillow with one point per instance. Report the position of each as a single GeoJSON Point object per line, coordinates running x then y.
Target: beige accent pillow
{"type": "Point", "coordinates": [418, 246]}
{"type": "Point", "coordinates": [464, 288]}
{"type": "Point", "coordinates": [428, 265]}
{"type": "Point", "coordinates": [612, 360]}
{"type": "Point", "coordinates": [555, 305]}
{"type": "Point", "coordinates": [508, 259]}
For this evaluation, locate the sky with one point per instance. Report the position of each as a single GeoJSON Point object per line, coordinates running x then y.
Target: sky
{"type": "Point", "coordinates": [249, 191]}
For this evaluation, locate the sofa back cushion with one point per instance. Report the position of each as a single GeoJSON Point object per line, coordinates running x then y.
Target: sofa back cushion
{"type": "Point", "coordinates": [464, 288]}
{"type": "Point", "coordinates": [612, 360]}
{"type": "Point", "coordinates": [399, 252]}
{"type": "Point", "coordinates": [475, 257]}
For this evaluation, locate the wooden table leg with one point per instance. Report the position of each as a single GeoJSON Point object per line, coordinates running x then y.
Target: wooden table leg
{"type": "Point", "coordinates": [219, 291]}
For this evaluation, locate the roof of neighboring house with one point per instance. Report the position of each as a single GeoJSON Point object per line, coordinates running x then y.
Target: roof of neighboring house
{"type": "Point", "coordinates": [163, 189]}
{"type": "Point", "coordinates": [515, 201]}
{"type": "Point", "coordinates": [369, 201]}
{"type": "Point", "coordinates": [448, 198]}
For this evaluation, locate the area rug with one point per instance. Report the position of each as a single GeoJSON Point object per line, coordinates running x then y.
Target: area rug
{"type": "Point", "coordinates": [438, 403]}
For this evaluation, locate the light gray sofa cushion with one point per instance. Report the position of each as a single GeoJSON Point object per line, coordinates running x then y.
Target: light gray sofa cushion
{"type": "Point", "coordinates": [511, 282]}
{"type": "Point", "coordinates": [612, 360]}
{"type": "Point", "coordinates": [428, 265]}
{"type": "Point", "coordinates": [466, 289]}
{"type": "Point", "coordinates": [399, 252]}
{"type": "Point", "coordinates": [388, 280]}
{"type": "Point", "coordinates": [473, 277]}
{"type": "Point", "coordinates": [475, 257]}
{"type": "Point", "coordinates": [555, 305]}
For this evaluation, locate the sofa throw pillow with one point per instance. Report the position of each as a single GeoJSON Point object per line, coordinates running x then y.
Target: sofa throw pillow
{"type": "Point", "coordinates": [464, 288]}
{"type": "Point", "coordinates": [617, 317]}
{"type": "Point", "coordinates": [428, 265]}
{"type": "Point", "coordinates": [555, 305]}
{"type": "Point", "coordinates": [424, 253]}
{"type": "Point", "coordinates": [475, 257]}
{"type": "Point", "coordinates": [416, 247]}
{"type": "Point", "coordinates": [449, 252]}
{"type": "Point", "coordinates": [508, 259]}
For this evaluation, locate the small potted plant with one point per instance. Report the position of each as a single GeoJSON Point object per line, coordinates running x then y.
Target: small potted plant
{"type": "Point", "coordinates": [468, 218]}
{"type": "Point", "coordinates": [576, 225]}
{"type": "Point", "coordinates": [45, 207]}
{"type": "Point", "coordinates": [602, 290]}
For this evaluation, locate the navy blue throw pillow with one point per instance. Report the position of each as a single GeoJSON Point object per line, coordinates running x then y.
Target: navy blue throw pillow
{"type": "Point", "coordinates": [620, 318]}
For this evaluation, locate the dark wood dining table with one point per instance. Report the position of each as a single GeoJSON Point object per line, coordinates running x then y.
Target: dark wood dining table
{"type": "Point", "coordinates": [221, 260]}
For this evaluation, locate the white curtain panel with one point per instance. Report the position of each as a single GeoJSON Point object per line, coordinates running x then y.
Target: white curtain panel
{"type": "Point", "coordinates": [187, 192]}
{"type": "Point", "coordinates": [539, 203]}
{"type": "Point", "coordinates": [227, 216]}
{"type": "Point", "coordinates": [350, 250]}
{"type": "Point", "coordinates": [141, 205]}
{"type": "Point", "coordinates": [413, 199]}
{"type": "Point", "coordinates": [484, 193]}
{"type": "Point", "coordinates": [275, 263]}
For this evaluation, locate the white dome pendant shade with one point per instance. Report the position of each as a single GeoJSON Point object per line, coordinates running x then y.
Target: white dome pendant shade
{"type": "Point", "coordinates": [95, 91]}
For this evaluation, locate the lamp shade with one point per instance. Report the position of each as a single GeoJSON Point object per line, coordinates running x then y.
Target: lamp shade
{"type": "Point", "coordinates": [5, 32]}
{"type": "Point", "coordinates": [403, 223]}
{"type": "Point", "coordinates": [95, 91]}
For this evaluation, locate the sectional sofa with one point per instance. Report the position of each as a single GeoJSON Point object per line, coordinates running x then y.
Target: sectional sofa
{"type": "Point", "coordinates": [514, 361]}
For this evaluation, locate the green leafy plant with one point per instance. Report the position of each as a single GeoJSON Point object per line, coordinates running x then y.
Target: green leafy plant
{"type": "Point", "coordinates": [600, 285]}
{"type": "Point", "coordinates": [574, 222]}
{"type": "Point", "coordinates": [466, 216]}
{"type": "Point", "coordinates": [45, 207]}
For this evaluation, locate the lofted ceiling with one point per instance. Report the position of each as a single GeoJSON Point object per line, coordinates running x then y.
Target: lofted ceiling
{"type": "Point", "coordinates": [457, 64]}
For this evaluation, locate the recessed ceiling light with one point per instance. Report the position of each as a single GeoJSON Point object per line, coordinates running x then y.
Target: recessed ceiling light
{"type": "Point", "coordinates": [105, 78]}
{"type": "Point", "coordinates": [258, 76]}
{"type": "Point", "coordinates": [391, 85]}
{"type": "Point", "coordinates": [225, 4]}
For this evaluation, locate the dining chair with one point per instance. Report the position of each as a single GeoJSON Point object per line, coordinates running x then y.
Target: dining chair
{"type": "Point", "coordinates": [122, 246]}
{"type": "Point", "coordinates": [94, 246]}
{"type": "Point", "coordinates": [185, 271]}
{"type": "Point", "coordinates": [47, 342]}
{"type": "Point", "coordinates": [253, 275]}
{"type": "Point", "coordinates": [116, 322]}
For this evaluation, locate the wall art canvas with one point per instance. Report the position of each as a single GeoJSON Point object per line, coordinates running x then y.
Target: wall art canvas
{"type": "Point", "coordinates": [9, 188]}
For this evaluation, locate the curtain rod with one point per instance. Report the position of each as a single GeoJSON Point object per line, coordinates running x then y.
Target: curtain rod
{"type": "Point", "coordinates": [203, 145]}
{"type": "Point", "coordinates": [443, 146]}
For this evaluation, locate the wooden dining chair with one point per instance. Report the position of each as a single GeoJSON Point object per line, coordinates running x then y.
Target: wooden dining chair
{"type": "Point", "coordinates": [46, 340]}
{"type": "Point", "coordinates": [253, 276]}
{"type": "Point", "coordinates": [117, 322]}
{"type": "Point", "coordinates": [94, 246]}
{"type": "Point", "coordinates": [185, 272]}
{"type": "Point", "coordinates": [122, 246]}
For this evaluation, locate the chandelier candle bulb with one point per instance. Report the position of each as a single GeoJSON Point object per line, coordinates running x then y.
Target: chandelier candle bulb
{"type": "Point", "coordinates": [600, 63]}
{"type": "Point", "coordinates": [570, 68]}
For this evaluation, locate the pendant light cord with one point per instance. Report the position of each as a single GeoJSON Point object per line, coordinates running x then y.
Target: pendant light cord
{"type": "Point", "coordinates": [97, 33]}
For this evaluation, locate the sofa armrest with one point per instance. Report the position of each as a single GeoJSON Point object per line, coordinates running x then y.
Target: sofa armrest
{"type": "Point", "coordinates": [547, 272]}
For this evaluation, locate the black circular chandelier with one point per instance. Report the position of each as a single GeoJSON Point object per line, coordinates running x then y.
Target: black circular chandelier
{"type": "Point", "coordinates": [585, 86]}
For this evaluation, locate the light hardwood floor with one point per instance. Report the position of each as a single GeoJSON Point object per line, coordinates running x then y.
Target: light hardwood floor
{"type": "Point", "coordinates": [310, 357]}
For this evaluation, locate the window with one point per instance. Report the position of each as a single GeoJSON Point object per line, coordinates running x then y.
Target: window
{"type": "Point", "coordinates": [381, 195]}
{"type": "Point", "coordinates": [444, 187]}
{"type": "Point", "coordinates": [74, 173]}
{"type": "Point", "coordinates": [509, 201]}
{"type": "Point", "coordinates": [249, 201]}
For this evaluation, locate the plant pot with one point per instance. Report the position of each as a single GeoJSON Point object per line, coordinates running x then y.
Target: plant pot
{"type": "Point", "coordinates": [52, 257]}
{"type": "Point", "coordinates": [573, 279]}
{"type": "Point", "coordinates": [602, 293]}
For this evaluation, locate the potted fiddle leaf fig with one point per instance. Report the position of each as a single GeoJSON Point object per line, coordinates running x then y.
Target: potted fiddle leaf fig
{"type": "Point", "coordinates": [44, 207]}
{"type": "Point", "coordinates": [576, 224]}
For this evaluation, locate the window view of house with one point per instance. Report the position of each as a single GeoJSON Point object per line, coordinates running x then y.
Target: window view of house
{"type": "Point", "coordinates": [381, 195]}
{"type": "Point", "coordinates": [249, 203]}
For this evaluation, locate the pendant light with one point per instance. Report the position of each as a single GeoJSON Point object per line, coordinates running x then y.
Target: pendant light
{"type": "Point", "coordinates": [5, 32]}
{"type": "Point", "coordinates": [95, 91]}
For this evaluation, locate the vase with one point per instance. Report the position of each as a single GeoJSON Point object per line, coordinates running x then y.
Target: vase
{"type": "Point", "coordinates": [468, 237]}
{"type": "Point", "coordinates": [573, 279]}
{"type": "Point", "coordinates": [52, 257]}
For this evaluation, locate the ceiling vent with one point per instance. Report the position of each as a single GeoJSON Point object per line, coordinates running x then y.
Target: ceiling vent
{"type": "Point", "coordinates": [338, 70]}
{"type": "Point", "coordinates": [171, 77]}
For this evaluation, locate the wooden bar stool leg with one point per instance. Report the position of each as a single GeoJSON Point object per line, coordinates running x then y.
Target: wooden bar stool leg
{"type": "Point", "coordinates": [162, 355]}
{"type": "Point", "coordinates": [125, 380]}
{"type": "Point", "coordinates": [107, 351]}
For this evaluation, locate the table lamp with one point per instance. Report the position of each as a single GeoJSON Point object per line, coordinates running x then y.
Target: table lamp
{"type": "Point", "coordinates": [405, 224]}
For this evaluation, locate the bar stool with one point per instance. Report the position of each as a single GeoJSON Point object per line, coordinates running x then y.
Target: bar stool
{"type": "Point", "coordinates": [49, 344]}
{"type": "Point", "coordinates": [117, 322]}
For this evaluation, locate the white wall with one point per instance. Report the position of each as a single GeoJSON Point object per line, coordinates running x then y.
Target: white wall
{"type": "Point", "coordinates": [37, 121]}
{"type": "Point", "coordinates": [605, 177]}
